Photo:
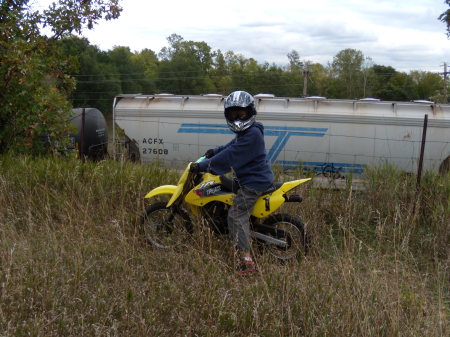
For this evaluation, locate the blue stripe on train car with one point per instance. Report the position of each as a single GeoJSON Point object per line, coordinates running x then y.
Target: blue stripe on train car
{"type": "Point", "coordinates": [283, 133]}
{"type": "Point", "coordinates": [323, 167]}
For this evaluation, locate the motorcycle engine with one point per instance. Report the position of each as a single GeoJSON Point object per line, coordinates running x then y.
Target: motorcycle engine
{"type": "Point", "coordinates": [215, 213]}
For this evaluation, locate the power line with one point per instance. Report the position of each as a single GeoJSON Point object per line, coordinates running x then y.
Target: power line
{"type": "Point", "coordinates": [284, 73]}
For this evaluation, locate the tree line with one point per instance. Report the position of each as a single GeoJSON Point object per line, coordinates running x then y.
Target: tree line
{"type": "Point", "coordinates": [42, 76]}
{"type": "Point", "coordinates": [192, 68]}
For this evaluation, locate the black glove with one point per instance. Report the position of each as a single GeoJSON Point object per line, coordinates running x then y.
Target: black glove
{"type": "Point", "coordinates": [195, 168]}
{"type": "Point", "coordinates": [209, 153]}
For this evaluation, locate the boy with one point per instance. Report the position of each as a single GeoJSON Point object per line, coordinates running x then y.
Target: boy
{"type": "Point", "coordinates": [245, 156]}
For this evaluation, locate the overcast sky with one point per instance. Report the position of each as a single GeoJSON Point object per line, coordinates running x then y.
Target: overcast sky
{"type": "Point", "coordinates": [404, 34]}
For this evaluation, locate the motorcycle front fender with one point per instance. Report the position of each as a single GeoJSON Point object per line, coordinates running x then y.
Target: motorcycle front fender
{"type": "Point", "coordinates": [165, 189]}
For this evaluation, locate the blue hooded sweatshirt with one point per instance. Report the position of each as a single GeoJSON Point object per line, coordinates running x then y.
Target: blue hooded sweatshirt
{"type": "Point", "coordinates": [245, 155]}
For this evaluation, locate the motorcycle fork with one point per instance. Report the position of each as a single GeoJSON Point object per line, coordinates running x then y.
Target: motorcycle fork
{"type": "Point", "coordinates": [194, 210]}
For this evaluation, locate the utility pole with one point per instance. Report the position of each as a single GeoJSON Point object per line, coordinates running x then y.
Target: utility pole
{"type": "Point", "coordinates": [81, 152]}
{"type": "Point", "coordinates": [305, 79]}
{"type": "Point", "coordinates": [445, 73]}
{"type": "Point", "coordinates": [445, 83]}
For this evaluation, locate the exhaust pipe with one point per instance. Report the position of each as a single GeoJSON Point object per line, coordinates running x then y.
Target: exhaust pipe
{"type": "Point", "coordinates": [268, 239]}
{"type": "Point", "coordinates": [293, 198]}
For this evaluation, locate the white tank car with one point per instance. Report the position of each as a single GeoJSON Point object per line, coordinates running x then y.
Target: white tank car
{"type": "Point", "coordinates": [329, 136]}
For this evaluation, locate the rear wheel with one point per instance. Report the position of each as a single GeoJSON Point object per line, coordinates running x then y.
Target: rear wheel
{"type": "Point", "coordinates": [165, 227]}
{"type": "Point", "coordinates": [289, 229]}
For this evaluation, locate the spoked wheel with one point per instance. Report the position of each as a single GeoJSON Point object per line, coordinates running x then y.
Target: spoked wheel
{"type": "Point", "coordinates": [289, 231]}
{"type": "Point", "coordinates": [165, 227]}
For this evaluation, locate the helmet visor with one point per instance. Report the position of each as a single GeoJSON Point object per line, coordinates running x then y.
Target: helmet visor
{"type": "Point", "coordinates": [237, 115]}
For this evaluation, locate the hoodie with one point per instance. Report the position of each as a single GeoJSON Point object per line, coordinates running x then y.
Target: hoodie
{"type": "Point", "coordinates": [245, 156]}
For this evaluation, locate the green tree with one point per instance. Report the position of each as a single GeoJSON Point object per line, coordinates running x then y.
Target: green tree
{"type": "Point", "coordinates": [318, 79]}
{"type": "Point", "coordinates": [380, 77]}
{"type": "Point", "coordinates": [445, 17]}
{"type": "Point", "coordinates": [427, 84]}
{"type": "Point", "coordinates": [293, 75]}
{"type": "Point", "coordinates": [400, 87]}
{"type": "Point", "coordinates": [131, 70]}
{"type": "Point", "coordinates": [97, 79]}
{"type": "Point", "coordinates": [243, 72]}
{"type": "Point", "coordinates": [269, 78]}
{"type": "Point", "coordinates": [184, 66]}
{"type": "Point", "coordinates": [34, 86]}
{"type": "Point", "coordinates": [220, 73]}
{"type": "Point", "coordinates": [367, 77]}
{"type": "Point", "coordinates": [147, 60]}
{"type": "Point", "coordinates": [347, 67]}
{"type": "Point", "coordinates": [295, 64]}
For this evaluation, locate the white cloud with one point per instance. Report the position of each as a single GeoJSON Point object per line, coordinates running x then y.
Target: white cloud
{"type": "Point", "coordinates": [402, 34]}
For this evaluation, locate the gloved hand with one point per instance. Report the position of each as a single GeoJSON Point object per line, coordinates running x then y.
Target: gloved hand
{"type": "Point", "coordinates": [209, 153]}
{"type": "Point", "coordinates": [195, 168]}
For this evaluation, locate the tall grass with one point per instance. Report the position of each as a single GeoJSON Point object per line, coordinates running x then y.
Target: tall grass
{"type": "Point", "coordinates": [73, 264]}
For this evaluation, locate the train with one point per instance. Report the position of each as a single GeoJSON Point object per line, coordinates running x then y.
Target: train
{"type": "Point", "coordinates": [90, 138]}
{"type": "Point", "coordinates": [329, 136]}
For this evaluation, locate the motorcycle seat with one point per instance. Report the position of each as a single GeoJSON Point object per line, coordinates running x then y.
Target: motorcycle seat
{"type": "Point", "coordinates": [273, 188]}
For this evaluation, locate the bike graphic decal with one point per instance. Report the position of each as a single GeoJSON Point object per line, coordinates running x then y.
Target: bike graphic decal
{"type": "Point", "coordinates": [209, 190]}
{"type": "Point", "coordinates": [206, 184]}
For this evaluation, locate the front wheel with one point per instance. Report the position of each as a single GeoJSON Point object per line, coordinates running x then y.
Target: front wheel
{"type": "Point", "coordinates": [290, 230]}
{"type": "Point", "coordinates": [165, 227]}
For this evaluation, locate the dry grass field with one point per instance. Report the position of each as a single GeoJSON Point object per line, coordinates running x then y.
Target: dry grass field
{"type": "Point", "coordinates": [73, 264]}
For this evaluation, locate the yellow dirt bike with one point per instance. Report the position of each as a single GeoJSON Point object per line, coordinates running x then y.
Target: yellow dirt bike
{"type": "Point", "coordinates": [169, 224]}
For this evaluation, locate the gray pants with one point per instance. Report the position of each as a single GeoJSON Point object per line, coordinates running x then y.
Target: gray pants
{"type": "Point", "coordinates": [238, 217]}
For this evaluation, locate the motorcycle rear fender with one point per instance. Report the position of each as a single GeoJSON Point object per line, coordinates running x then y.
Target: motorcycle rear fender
{"type": "Point", "coordinates": [269, 203]}
{"type": "Point", "coordinates": [287, 186]}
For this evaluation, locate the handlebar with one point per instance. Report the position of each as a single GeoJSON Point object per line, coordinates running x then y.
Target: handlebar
{"type": "Point", "coordinates": [200, 159]}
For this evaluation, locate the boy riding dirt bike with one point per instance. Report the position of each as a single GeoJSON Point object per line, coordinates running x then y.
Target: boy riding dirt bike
{"type": "Point", "coordinates": [245, 156]}
{"type": "Point", "coordinates": [252, 193]}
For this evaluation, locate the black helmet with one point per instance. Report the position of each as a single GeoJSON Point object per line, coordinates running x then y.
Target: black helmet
{"type": "Point", "coordinates": [240, 111]}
